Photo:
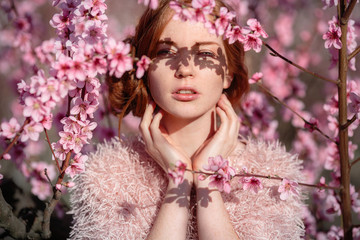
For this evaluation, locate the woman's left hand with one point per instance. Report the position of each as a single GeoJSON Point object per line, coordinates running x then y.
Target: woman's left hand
{"type": "Point", "coordinates": [224, 141]}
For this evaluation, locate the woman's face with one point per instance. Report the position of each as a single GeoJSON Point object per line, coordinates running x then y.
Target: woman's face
{"type": "Point", "coordinates": [189, 72]}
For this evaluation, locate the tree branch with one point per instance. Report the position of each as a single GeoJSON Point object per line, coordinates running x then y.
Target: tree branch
{"type": "Point", "coordinates": [345, 18]}
{"type": "Point", "coordinates": [9, 221]}
{"type": "Point", "coordinates": [298, 66]}
{"type": "Point", "coordinates": [297, 114]}
{"type": "Point", "coordinates": [268, 177]}
{"type": "Point", "coordinates": [354, 162]}
{"type": "Point", "coordinates": [354, 53]}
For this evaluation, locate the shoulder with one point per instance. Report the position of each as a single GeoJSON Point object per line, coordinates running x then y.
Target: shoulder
{"type": "Point", "coordinates": [267, 158]}
{"type": "Point", "coordinates": [118, 193]}
{"type": "Point", "coordinates": [263, 215]}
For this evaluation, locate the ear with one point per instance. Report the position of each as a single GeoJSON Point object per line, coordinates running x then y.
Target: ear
{"type": "Point", "coordinates": [227, 81]}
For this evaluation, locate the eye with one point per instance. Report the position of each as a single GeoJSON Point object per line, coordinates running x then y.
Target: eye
{"type": "Point", "coordinates": [206, 54]}
{"type": "Point", "coordinates": [165, 52]}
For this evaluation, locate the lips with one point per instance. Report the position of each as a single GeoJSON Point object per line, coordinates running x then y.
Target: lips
{"type": "Point", "coordinates": [185, 94]}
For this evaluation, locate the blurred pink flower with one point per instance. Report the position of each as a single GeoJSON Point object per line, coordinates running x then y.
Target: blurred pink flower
{"type": "Point", "coordinates": [142, 66]}
{"type": "Point", "coordinates": [354, 106]}
{"type": "Point", "coordinates": [202, 8]}
{"type": "Point", "coordinates": [9, 129]}
{"type": "Point", "coordinates": [256, 77]}
{"type": "Point", "coordinates": [177, 174]}
{"type": "Point", "coordinates": [94, 31]}
{"type": "Point", "coordinates": [288, 188]}
{"type": "Point", "coordinates": [153, 4]}
{"type": "Point", "coordinates": [40, 188]}
{"type": "Point", "coordinates": [83, 108]}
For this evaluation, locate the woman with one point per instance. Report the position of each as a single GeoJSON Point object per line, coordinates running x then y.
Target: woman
{"type": "Point", "coordinates": [194, 77]}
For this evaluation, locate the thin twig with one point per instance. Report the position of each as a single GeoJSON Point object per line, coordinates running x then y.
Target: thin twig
{"type": "Point", "coordinates": [297, 114]}
{"type": "Point", "coordinates": [27, 121]}
{"type": "Point", "coordinates": [353, 54]}
{"type": "Point", "coordinates": [354, 162]}
{"type": "Point", "coordinates": [52, 150]}
{"type": "Point", "coordinates": [345, 18]}
{"type": "Point", "coordinates": [298, 66]}
{"type": "Point", "coordinates": [13, 7]}
{"type": "Point", "coordinates": [268, 177]}
{"type": "Point", "coordinates": [48, 178]}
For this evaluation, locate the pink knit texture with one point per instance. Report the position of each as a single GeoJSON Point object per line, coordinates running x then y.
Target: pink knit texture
{"type": "Point", "coordinates": [119, 194]}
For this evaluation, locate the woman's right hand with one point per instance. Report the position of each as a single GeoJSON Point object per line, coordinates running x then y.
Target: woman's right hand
{"type": "Point", "coordinates": [158, 143]}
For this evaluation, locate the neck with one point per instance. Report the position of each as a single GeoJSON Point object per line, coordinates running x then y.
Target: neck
{"type": "Point", "coordinates": [190, 134]}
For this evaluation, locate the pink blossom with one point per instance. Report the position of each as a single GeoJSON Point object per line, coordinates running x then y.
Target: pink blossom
{"type": "Point", "coordinates": [72, 124]}
{"type": "Point", "coordinates": [59, 151]}
{"type": "Point", "coordinates": [251, 183]}
{"type": "Point", "coordinates": [31, 131]}
{"type": "Point", "coordinates": [83, 108]}
{"type": "Point", "coordinates": [96, 6]}
{"type": "Point", "coordinates": [330, 3]}
{"type": "Point", "coordinates": [88, 128]}
{"type": "Point", "coordinates": [287, 189]}
{"type": "Point", "coordinates": [202, 8]}
{"type": "Point", "coordinates": [234, 34]}
{"type": "Point", "coordinates": [222, 173]}
{"type": "Point", "coordinates": [47, 121]}
{"type": "Point", "coordinates": [142, 66]}
{"type": "Point", "coordinates": [50, 90]}
{"type": "Point", "coordinates": [66, 140]}
{"type": "Point", "coordinates": [119, 61]}
{"type": "Point", "coordinates": [7, 156]}
{"type": "Point", "coordinates": [153, 4]}
{"type": "Point", "coordinates": [223, 21]}
{"type": "Point", "coordinates": [9, 129]}
{"type": "Point", "coordinates": [35, 109]}
{"type": "Point", "coordinates": [177, 174]}
{"type": "Point", "coordinates": [77, 68]}
{"type": "Point", "coordinates": [256, 77]}
{"type": "Point", "coordinates": [94, 32]}
{"type": "Point", "coordinates": [77, 165]}
{"type": "Point", "coordinates": [62, 66]}
{"type": "Point", "coordinates": [256, 27]}
{"type": "Point", "coordinates": [181, 13]}
{"type": "Point", "coordinates": [332, 36]}
{"type": "Point", "coordinates": [252, 41]}
{"type": "Point", "coordinates": [215, 163]}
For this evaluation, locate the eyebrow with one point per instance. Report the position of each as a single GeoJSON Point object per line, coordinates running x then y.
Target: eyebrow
{"type": "Point", "coordinates": [169, 42]}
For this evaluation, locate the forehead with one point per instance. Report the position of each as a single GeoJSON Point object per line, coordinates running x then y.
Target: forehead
{"type": "Point", "coordinates": [188, 32]}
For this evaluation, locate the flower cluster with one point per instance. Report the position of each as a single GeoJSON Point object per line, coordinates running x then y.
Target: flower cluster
{"type": "Point", "coordinates": [222, 25]}
{"type": "Point", "coordinates": [177, 174]}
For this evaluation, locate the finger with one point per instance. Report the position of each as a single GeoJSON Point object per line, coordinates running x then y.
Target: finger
{"type": "Point", "coordinates": [155, 128]}
{"type": "Point", "coordinates": [234, 123]}
{"type": "Point", "coordinates": [145, 124]}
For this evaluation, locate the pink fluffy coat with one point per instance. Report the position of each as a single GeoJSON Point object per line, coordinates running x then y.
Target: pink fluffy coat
{"type": "Point", "coordinates": [119, 194]}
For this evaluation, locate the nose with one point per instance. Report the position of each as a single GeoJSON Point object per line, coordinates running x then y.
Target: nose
{"type": "Point", "coordinates": [185, 68]}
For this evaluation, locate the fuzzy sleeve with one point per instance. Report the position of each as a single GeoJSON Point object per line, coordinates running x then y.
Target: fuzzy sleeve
{"type": "Point", "coordinates": [264, 215]}
{"type": "Point", "coordinates": [114, 198]}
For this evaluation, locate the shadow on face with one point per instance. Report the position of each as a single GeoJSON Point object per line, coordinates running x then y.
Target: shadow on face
{"type": "Point", "coordinates": [203, 59]}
